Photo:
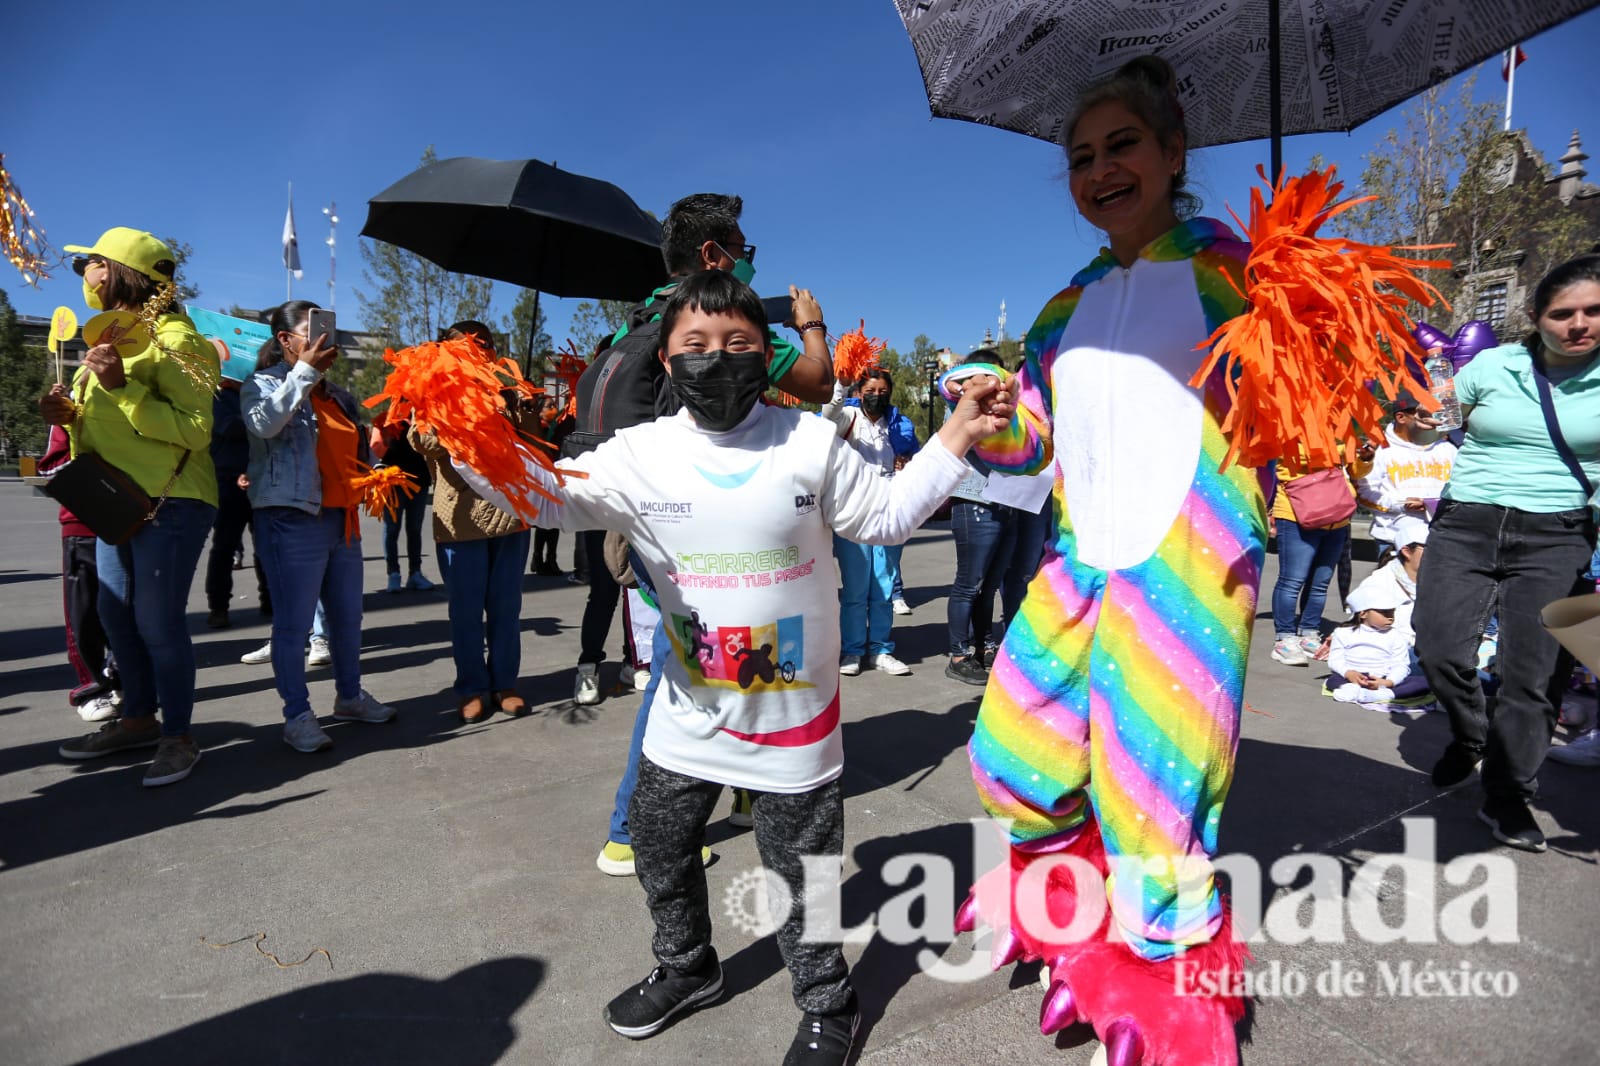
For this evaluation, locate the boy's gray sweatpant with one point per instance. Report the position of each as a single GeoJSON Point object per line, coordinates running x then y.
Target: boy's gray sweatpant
{"type": "Point", "coordinates": [668, 816]}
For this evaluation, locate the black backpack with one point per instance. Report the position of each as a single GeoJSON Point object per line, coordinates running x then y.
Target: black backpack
{"type": "Point", "coordinates": [624, 386]}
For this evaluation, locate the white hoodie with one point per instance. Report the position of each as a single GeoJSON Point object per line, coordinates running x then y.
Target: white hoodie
{"type": "Point", "coordinates": [1400, 471]}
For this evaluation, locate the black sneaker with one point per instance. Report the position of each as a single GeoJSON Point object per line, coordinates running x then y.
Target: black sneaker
{"type": "Point", "coordinates": [1512, 823]}
{"type": "Point", "coordinates": [217, 618]}
{"type": "Point", "coordinates": [646, 1008]}
{"type": "Point", "coordinates": [968, 670]}
{"type": "Point", "coordinates": [825, 1039]}
{"type": "Point", "coordinates": [1455, 765]}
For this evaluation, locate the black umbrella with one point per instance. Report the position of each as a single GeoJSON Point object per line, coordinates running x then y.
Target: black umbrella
{"type": "Point", "coordinates": [1246, 68]}
{"type": "Point", "coordinates": [524, 222]}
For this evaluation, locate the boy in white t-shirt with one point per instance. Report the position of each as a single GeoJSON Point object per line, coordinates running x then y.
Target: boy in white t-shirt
{"type": "Point", "coordinates": [732, 506]}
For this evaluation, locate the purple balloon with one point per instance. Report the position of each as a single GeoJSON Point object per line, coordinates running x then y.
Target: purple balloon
{"type": "Point", "coordinates": [1430, 336]}
{"type": "Point", "coordinates": [1471, 339]}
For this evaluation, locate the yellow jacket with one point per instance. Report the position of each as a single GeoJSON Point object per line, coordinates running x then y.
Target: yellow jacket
{"type": "Point", "coordinates": [161, 411]}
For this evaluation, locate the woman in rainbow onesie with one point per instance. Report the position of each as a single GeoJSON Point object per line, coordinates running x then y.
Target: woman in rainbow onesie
{"type": "Point", "coordinates": [1108, 729]}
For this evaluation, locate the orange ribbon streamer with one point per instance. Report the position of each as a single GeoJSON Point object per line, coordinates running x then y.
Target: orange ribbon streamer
{"type": "Point", "coordinates": [457, 391]}
{"type": "Point", "coordinates": [855, 353]}
{"type": "Point", "coordinates": [1326, 319]}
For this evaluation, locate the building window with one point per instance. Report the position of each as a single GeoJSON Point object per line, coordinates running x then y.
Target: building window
{"type": "Point", "coordinates": [1491, 306]}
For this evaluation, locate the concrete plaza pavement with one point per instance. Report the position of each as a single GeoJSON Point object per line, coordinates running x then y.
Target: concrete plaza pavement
{"type": "Point", "coordinates": [447, 872]}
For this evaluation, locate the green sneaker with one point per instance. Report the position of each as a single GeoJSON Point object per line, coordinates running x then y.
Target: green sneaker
{"type": "Point", "coordinates": [112, 738]}
{"type": "Point", "coordinates": [740, 816]}
{"type": "Point", "coordinates": [617, 859]}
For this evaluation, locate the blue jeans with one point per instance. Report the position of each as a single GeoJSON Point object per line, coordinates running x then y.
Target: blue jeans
{"type": "Point", "coordinates": [660, 649]}
{"type": "Point", "coordinates": [984, 535]}
{"type": "Point", "coordinates": [307, 559]}
{"type": "Point", "coordinates": [1031, 531]}
{"type": "Point", "coordinates": [897, 588]}
{"type": "Point", "coordinates": [484, 580]}
{"type": "Point", "coordinates": [410, 515]}
{"type": "Point", "coordinates": [143, 601]}
{"type": "Point", "coordinates": [1304, 555]}
{"type": "Point", "coordinates": [866, 588]}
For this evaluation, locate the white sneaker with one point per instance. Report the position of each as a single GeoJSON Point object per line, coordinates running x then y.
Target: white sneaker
{"type": "Point", "coordinates": [901, 606]}
{"type": "Point", "coordinates": [305, 734]}
{"type": "Point", "coordinates": [849, 665]}
{"type": "Point", "coordinates": [636, 679]}
{"type": "Point", "coordinates": [364, 708]}
{"type": "Point", "coordinates": [1290, 653]}
{"type": "Point", "coordinates": [320, 654]}
{"type": "Point", "coordinates": [587, 691]}
{"type": "Point", "coordinates": [1581, 751]}
{"type": "Point", "coordinates": [99, 709]}
{"type": "Point", "coordinates": [889, 664]}
{"type": "Point", "coordinates": [261, 655]}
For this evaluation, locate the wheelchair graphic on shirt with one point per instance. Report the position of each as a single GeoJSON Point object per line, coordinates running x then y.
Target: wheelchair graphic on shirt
{"type": "Point", "coordinates": [757, 662]}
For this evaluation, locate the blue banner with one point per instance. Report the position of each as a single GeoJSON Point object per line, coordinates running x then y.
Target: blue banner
{"type": "Point", "coordinates": [240, 338]}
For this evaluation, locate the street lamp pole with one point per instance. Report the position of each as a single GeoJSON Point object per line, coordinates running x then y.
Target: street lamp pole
{"type": "Point", "coordinates": [332, 211]}
{"type": "Point", "coordinates": [931, 367]}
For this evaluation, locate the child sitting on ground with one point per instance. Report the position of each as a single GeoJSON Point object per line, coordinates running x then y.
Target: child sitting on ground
{"type": "Point", "coordinates": [1369, 656]}
{"type": "Point", "coordinates": [732, 507]}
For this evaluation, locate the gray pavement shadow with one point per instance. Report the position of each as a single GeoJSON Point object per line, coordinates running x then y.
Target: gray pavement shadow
{"type": "Point", "coordinates": [885, 967]}
{"type": "Point", "coordinates": [885, 749]}
{"type": "Point", "coordinates": [101, 801]}
{"type": "Point", "coordinates": [463, 1020]}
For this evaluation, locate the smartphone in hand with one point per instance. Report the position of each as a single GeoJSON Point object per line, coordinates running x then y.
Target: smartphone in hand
{"type": "Point", "coordinates": [320, 322]}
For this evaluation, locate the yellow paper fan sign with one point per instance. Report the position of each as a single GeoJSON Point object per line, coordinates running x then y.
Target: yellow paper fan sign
{"type": "Point", "coordinates": [63, 327]}
{"type": "Point", "coordinates": [120, 329]}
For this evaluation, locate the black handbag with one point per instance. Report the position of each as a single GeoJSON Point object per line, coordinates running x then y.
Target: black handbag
{"type": "Point", "coordinates": [105, 498]}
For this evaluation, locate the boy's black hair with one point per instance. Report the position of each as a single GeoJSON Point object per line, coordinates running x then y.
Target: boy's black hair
{"type": "Point", "coordinates": [982, 355]}
{"type": "Point", "coordinates": [691, 222]}
{"type": "Point", "coordinates": [715, 292]}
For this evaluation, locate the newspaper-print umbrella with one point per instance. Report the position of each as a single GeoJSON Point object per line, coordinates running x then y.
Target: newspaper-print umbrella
{"type": "Point", "coordinates": [1246, 69]}
{"type": "Point", "coordinates": [524, 222]}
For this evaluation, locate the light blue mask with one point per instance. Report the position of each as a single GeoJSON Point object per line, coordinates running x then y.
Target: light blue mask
{"type": "Point", "coordinates": [744, 270]}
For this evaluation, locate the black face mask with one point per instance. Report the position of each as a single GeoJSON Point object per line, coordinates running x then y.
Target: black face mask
{"type": "Point", "coordinates": [719, 388]}
{"type": "Point", "coordinates": [876, 405]}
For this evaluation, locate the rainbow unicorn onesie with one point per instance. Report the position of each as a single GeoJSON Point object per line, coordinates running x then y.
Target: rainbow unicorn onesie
{"type": "Point", "coordinates": [1108, 730]}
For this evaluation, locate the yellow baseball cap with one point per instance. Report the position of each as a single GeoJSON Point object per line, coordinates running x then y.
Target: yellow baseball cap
{"type": "Point", "coordinates": [133, 248]}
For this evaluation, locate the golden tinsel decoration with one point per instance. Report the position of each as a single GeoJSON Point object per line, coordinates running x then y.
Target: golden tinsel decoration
{"type": "Point", "coordinates": [24, 244]}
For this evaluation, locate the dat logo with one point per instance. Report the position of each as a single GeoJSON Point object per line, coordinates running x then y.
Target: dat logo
{"type": "Point", "coordinates": [805, 502]}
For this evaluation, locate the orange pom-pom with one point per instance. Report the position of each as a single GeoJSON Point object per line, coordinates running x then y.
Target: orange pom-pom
{"type": "Point", "coordinates": [456, 390]}
{"type": "Point", "coordinates": [855, 353]}
{"type": "Point", "coordinates": [1326, 316]}
{"type": "Point", "coordinates": [382, 489]}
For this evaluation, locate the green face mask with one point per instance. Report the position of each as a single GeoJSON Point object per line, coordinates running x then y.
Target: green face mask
{"type": "Point", "coordinates": [92, 297]}
{"type": "Point", "coordinates": [744, 270]}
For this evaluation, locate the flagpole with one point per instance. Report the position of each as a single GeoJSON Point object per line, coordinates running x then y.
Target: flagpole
{"type": "Point", "coordinates": [1511, 81]}
{"type": "Point", "coordinates": [288, 273]}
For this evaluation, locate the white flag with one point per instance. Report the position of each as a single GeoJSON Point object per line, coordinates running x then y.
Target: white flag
{"type": "Point", "coordinates": [291, 245]}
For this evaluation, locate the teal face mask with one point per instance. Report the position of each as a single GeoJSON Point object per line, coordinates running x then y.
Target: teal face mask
{"type": "Point", "coordinates": [743, 269]}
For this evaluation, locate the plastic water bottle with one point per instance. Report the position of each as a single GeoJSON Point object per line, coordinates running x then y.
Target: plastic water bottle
{"type": "Point", "coordinates": [1442, 383]}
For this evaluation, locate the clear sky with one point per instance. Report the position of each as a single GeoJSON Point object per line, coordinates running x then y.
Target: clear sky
{"type": "Point", "coordinates": [190, 120]}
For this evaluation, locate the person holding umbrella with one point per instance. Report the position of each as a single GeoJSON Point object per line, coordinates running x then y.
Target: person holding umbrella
{"type": "Point", "coordinates": [1109, 725]}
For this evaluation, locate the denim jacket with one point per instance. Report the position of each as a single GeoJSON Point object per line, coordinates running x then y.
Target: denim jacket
{"type": "Point", "coordinates": [276, 404]}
